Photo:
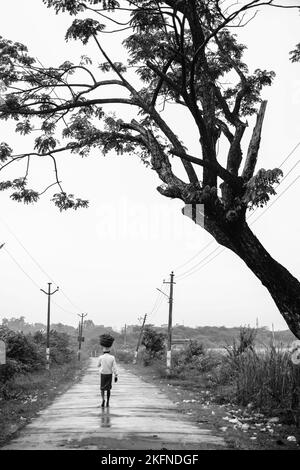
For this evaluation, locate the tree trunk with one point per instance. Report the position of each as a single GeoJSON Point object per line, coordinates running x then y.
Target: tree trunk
{"type": "Point", "coordinates": [281, 284]}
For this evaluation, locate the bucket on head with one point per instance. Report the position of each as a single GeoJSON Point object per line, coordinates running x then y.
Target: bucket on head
{"type": "Point", "coordinates": [106, 340]}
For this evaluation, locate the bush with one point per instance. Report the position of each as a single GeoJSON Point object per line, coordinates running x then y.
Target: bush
{"type": "Point", "coordinates": [8, 370]}
{"type": "Point", "coordinates": [124, 355]}
{"type": "Point", "coordinates": [26, 353]}
{"type": "Point", "coordinates": [268, 380]}
{"type": "Point", "coordinates": [60, 351]}
{"type": "Point", "coordinates": [22, 354]}
{"type": "Point", "coordinates": [194, 349]}
{"type": "Point", "coordinates": [194, 358]}
{"type": "Point", "coordinates": [246, 342]}
{"type": "Point", "coordinates": [154, 345]}
{"type": "Point", "coordinates": [148, 357]}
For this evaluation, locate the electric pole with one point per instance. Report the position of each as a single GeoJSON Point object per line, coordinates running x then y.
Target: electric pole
{"type": "Point", "coordinates": [80, 338]}
{"type": "Point", "coordinates": [273, 336]}
{"type": "Point", "coordinates": [169, 339]}
{"type": "Point", "coordinates": [49, 293]}
{"type": "Point", "coordinates": [125, 334]}
{"type": "Point", "coordinates": [140, 339]}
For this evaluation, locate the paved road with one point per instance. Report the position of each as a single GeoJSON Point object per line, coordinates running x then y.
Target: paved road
{"type": "Point", "coordinates": [140, 417]}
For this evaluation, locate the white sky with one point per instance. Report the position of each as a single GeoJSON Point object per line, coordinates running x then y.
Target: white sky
{"type": "Point", "coordinates": [110, 258]}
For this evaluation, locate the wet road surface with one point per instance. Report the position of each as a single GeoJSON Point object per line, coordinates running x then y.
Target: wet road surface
{"type": "Point", "coordinates": [140, 416]}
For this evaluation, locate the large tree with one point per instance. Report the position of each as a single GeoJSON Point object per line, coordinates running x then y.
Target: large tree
{"type": "Point", "coordinates": [181, 51]}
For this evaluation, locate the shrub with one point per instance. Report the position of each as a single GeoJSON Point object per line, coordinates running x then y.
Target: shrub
{"type": "Point", "coordinates": [154, 344]}
{"type": "Point", "coordinates": [268, 380]}
{"type": "Point", "coordinates": [246, 341]}
{"type": "Point", "coordinates": [193, 349]}
{"type": "Point", "coordinates": [124, 355]}
{"type": "Point", "coordinates": [148, 357]}
{"type": "Point", "coordinates": [60, 351]}
{"type": "Point", "coordinates": [26, 354]}
{"type": "Point", "coordinates": [8, 370]}
{"type": "Point", "coordinates": [22, 354]}
{"type": "Point", "coordinates": [193, 358]}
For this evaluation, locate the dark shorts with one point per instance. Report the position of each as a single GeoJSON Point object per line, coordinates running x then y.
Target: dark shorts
{"type": "Point", "coordinates": [105, 381]}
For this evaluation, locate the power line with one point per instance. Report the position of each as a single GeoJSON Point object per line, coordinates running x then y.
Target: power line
{"type": "Point", "coordinates": [199, 262]}
{"type": "Point", "coordinates": [68, 298]}
{"type": "Point", "coordinates": [63, 309]}
{"type": "Point", "coordinates": [290, 171]}
{"type": "Point", "coordinates": [20, 267]}
{"type": "Point", "coordinates": [25, 249]}
{"type": "Point", "coordinates": [160, 301]}
{"type": "Point", "coordinates": [290, 154]}
{"type": "Point", "coordinates": [155, 304]}
{"type": "Point", "coordinates": [32, 280]}
{"type": "Point", "coordinates": [38, 264]}
{"type": "Point", "coordinates": [222, 249]}
{"type": "Point", "coordinates": [273, 202]}
{"type": "Point", "coordinates": [191, 269]}
{"type": "Point", "coordinates": [195, 256]}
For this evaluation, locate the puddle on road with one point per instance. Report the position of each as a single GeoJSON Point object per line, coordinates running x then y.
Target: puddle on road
{"type": "Point", "coordinates": [105, 418]}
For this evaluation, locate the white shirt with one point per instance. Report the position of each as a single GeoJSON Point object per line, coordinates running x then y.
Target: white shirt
{"type": "Point", "coordinates": [107, 364]}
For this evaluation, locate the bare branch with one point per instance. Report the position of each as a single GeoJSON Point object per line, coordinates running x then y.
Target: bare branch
{"type": "Point", "coordinates": [254, 144]}
{"type": "Point", "coordinates": [215, 166]}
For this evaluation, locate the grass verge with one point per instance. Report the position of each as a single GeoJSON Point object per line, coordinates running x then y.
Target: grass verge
{"type": "Point", "coordinates": [242, 427]}
{"type": "Point", "coordinates": [27, 394]}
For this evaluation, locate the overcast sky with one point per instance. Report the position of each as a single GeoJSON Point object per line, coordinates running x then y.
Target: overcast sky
{"type": "Point", "coordinates": [110, 258]}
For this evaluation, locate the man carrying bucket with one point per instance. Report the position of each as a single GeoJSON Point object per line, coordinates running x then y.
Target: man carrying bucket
{"type": "Point", "coordinates": [108, 367]}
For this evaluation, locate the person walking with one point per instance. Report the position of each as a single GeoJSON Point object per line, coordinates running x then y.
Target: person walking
{"type": "Point", "coordinates": [107, 368]}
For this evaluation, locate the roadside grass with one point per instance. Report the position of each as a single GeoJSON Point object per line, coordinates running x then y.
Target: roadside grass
{"type": "Point", "coordinates": [267, 381]}
{"type": "Point", "coordinates": [26, 394]}
{"type": "Point", "coordinates": [252, 398]}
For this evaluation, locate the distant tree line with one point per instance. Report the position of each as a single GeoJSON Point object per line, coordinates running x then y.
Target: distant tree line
{"type": "Point", "coordinates": [209, 336]}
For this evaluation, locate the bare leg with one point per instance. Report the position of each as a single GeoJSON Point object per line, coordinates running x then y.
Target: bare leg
{"type": "Point", "coordinates": [102, 395]}
{"type": "Point", "coordinates": [108, 397]}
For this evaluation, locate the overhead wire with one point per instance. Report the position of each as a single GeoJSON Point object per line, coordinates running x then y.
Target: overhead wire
{"type": "Point", "coordinates": [32, 280]}
{"type": "Point", "coordinates": [220, 249]}
{"type": "Point", "coordinates": [40, 267]}
{"type": "Point", "coordinates": [20, 267]}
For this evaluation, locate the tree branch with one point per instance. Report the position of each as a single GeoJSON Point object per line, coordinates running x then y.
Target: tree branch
{"type": "Point", "coordinates": [160, 82]}
{"type": "Point", "coordinates": [254, 144]}
{"type": "Point", "coordinates": [68, 106]}
{"type": "Point", "coordinates": [234, 158]}
{"type": "Point", "coordinates": [224, 174]}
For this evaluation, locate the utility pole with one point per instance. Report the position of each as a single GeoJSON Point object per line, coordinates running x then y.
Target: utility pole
{"type": "Point", "coordinates": [125, 335]}
{"type": "Point", "coordinates": [80, 338]}
{"type": "Point", "coordinates": [49, 293]}
{"type": "Point", "coordinates": [169, 339]}
{"type": "Point", "coordinates": [273, 336]}
{"type": "Point", "coordinates": [140, 339]}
